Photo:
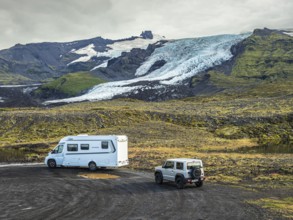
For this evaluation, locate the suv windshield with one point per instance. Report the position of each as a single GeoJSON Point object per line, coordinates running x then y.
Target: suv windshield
{"type": "Point", "coordinates": [193, 164]}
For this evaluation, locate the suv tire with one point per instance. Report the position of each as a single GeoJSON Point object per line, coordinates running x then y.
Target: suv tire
{"type": "Point", "coordinates": [199, 184]}
{"type": "Point", "coordinates": [159, 178]}
{"type": "Point", "coordinates": [180, 183]}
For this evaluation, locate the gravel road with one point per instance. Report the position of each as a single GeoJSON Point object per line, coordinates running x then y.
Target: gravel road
{"type": "Point", "coordinates": [37, 192]}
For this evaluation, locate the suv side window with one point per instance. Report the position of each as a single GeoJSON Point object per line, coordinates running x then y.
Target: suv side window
{"type": "Point", "coordinates": [179, 166]}
{"type": "Point", "coordinates": [169, 164]}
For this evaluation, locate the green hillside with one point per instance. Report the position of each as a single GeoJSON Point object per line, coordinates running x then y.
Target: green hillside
{"type": "Point", "coordinates": [268, 56]}
{"type": "Point", "coordinates": [12, 79]}
{"type": "Point", "coordinates": [263, 67]}
{"type": "Point", "coordinates": [68, 85]}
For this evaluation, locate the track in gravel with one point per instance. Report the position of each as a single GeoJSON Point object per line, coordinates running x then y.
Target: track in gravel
{"type": "Point", "coordinates": [37, 192]}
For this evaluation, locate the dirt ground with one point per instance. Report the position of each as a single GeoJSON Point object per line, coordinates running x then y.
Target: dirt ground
{"type": "Point", "coordinates": [37, 192]}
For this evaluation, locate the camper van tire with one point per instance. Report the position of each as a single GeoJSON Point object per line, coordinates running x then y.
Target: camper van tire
{"type": "Point", "coordinates": [92, 166]}
{"type": "Point", "coordinates": [51, 163]}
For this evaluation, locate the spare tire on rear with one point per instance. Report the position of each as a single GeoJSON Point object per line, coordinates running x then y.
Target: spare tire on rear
{"type": "Point", "coordinates": [196, 173]}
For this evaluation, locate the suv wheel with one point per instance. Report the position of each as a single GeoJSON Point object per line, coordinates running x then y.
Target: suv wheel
{"type": "Point", "coordinates": [180, 182]}
{"type": "Point", "coordinates": [199, 184]}
{"type": "Point", "coordinates": [159, 178]}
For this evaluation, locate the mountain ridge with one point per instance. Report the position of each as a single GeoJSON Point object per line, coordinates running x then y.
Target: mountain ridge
{"type": "Point", "coordinates": [150, 72]}
{"type": "Point", "coordinates": [40, 61]}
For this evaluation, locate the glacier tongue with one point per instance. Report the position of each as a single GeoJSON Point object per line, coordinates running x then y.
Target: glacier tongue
{"type": "Point", "coordinates": [184, 59]}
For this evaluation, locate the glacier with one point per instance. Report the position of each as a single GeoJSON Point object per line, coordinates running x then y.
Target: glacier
{"type": "Point", "coordinates": [184, 59]}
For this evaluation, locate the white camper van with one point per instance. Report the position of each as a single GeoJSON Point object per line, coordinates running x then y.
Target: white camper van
{"type": "Point", "coordinates": [89, 151]}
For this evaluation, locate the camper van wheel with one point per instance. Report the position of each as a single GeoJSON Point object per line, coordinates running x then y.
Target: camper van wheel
{"type": "Point", "coordinates": [92, 166]}
{"type": "Point", "coordinates": [52, 163]}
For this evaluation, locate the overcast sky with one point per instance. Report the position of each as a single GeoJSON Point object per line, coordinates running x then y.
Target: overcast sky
{"type": "Point", "coordinates": [26, 21]}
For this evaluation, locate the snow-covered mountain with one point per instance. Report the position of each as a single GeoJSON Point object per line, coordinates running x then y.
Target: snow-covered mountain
{"type": "Point", "coordinates": [113, 50]}
{"type": "Point", "coordinates": [179, 60]}
{"type": "Point", "coordinates": [40, 61]}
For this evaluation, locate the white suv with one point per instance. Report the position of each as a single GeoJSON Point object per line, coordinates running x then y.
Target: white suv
{"type": "Point", "coordinates": [181, 171]}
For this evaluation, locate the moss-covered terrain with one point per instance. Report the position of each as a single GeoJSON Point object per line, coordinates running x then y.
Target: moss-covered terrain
{"type": "Point", "coordinates": [71, 84]}
{"type": "Point", "coordinates": [282, 206]}
{"type": "Point", "coordinates": [261, 67]}
{"type": "Point", "coordinates": [12, 79]}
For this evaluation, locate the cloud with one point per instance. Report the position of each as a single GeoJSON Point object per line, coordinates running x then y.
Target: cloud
{"type": "Point", "coordinates": [67, 20]}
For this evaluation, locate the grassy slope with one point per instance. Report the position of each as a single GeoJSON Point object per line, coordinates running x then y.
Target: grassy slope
{"type": "Point", "coordinates": [263, 69]}
{"type": "Point", "coordinates": [265, 57]}
{"type": "Point", "coordinates": [8, 78]}
{"type": "Point", "coordinates": [70, 84]}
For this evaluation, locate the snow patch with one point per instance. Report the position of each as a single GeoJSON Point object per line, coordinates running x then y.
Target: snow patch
{"type": "Point", "coordinates": [101, 65]}
{"type": "Point", "coordinates": [88, 51]}
{"type": "Point", "coordinates": [17, 86]}
{"type": "Point", "coordinates": [114, 50]}
{"type": "Point", "coordinates": [289, 33]}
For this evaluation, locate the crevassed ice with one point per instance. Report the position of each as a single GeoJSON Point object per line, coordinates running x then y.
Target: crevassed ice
{"type": "Point", "coordinates": [184, 59]}
{"type": "Point", "coordinates": [101, 92]}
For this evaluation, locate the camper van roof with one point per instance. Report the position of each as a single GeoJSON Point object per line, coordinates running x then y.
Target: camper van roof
{"type": "Point", "coordinates": [93, 137]}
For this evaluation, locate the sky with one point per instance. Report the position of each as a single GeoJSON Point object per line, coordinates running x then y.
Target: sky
{"type": "Point", "coordinates": [32, 21]}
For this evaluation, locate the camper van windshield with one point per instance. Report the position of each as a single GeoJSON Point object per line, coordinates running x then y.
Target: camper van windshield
{"type": "Point", "coordinates": [58, 149]}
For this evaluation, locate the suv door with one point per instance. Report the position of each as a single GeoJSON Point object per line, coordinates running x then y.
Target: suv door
{"type": "Point", "coordinates": [169, 170]}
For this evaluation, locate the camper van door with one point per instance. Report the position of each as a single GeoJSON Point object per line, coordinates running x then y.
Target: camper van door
{"type": "Point", "coordinates": [59, 154]}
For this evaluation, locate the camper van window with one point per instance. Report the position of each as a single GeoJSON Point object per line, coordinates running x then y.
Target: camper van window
{"type": "Point", "coordinates": [60, 149]}
{"type": "Point", "coordinates": [105, 145]}
{"type": "Point", "coordinates": [72, 147]}
{"type": "Point", "coordinates": [84, 146]}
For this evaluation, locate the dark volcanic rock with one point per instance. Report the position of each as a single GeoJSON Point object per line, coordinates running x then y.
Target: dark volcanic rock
{"type": "Point", "coordinates": [16, 97]}
{"type": "Point", "coordinates": [266, 32]}
{"type": "Point", "coordinates": [147, 35]}
{"type": "Point", "coordinates": [157, 65]}
{"type": "Point", "coordinates": [125, 66]}
{"type": "Point", "coordinates": [38, 61]}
